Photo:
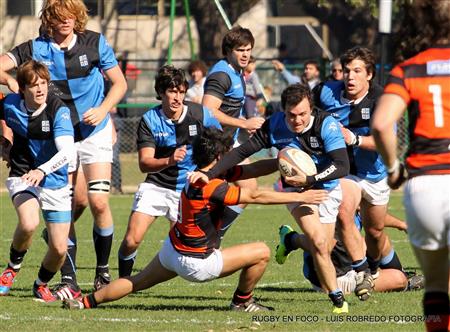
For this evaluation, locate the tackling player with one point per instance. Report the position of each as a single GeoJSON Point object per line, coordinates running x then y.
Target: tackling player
{"type": "Point", "coordinates": [191, 250]}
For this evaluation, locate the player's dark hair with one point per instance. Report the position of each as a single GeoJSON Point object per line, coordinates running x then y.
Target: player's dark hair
{"type": "Point", "coordinates": [210, 145]}
{"type": "Point", "coordinates": [238, 36]}
{"type": "Point", "coordinates": [197, 65]}
{"type": "Point", "coordinates": [29, 72]}
{"type": "Point", "coordinates": [425, 23]}
{"type": "Point", "coordinates": [360, 53]}
{"type": "Point", "coordinates": [294, 94]}
{"type": "Point", "coordinates": [169, 77]}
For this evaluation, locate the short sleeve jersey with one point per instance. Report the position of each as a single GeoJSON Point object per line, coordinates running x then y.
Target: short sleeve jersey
{"type": "Point", "coordinates": [157, 131]}
{"type": "Point", "coordinates": [227, 84]}
{"type": "Point", "coordinates": [75, 73]}
{"type": "Point", "coordinates": [365, 164]}
{"type": "Point", "coordinates": [423, 82]}
{"type": "Point", "coordinates": [196, 233]}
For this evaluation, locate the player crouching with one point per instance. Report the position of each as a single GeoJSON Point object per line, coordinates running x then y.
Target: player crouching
{"type": "Point", "coordinates": [191, 250]}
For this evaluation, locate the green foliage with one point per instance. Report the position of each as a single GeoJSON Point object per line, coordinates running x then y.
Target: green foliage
{"type": "Point", "coordinates": [182, 306]}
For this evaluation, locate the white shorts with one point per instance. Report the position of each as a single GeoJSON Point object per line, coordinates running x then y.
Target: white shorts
{"type": "Point", "coordinates": [191, 268]}
{"type": "Point", "coordinates": [427, 203]}
{"type": "Point", "coordinates": [375, 193]}
{"type": "Point", "coordinates": [328, 210]}
{"type": "Point", "coordinates": [96, 148]}
{"type": "Point", "coordinates": [156, 201]}
{"type": "Point", "coordinates": [56, 204]}
{"type": "Point", "coordinates": [346, 283]}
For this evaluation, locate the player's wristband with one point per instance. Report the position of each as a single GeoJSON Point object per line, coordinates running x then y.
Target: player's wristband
{"type": "Point", "coordinates": [43, 172]}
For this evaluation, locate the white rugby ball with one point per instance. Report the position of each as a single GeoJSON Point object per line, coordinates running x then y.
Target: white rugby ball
{"type": "Point", "coordinates": [288, 158]}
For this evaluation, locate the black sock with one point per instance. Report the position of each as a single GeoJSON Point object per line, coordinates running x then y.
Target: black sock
{"type": "Point", "coordinates": [436, 310]}
{"type": "Point", "coordinates": [391, 262]}
{"type": "Point", "coordinates": [230, 214]}
{"type": "Point", "coordinates": [69, 267]}
{"type": "Point", "coordinates": [290, 241]}
{"type": "Point", "coordinates": [103, 238]}
{"type": "Point", "coordinates": [126, 264]}
{"type": "Point", "coordinates": [360, 265]}
{"type": "Point", "coordinates": [373, 264]}
{"type": "Point", "coordinates": [45, 275]}
{"type": "Point", "coordinates": [16, 258]}
{"type": "Point", "coordinates": [241, 297]}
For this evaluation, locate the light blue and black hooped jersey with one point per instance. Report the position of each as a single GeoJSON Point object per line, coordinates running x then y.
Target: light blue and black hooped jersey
{"type": "Point", "coordinates": [165, 136]}
{"type": "Point", "coordinates": [364, 163]}
{"type": "Point", "coordinates": [75, 73]}
{"type": "Point", "coordinates": [34, 136]}
{"type": "Point", "coordinates": [227, 84]}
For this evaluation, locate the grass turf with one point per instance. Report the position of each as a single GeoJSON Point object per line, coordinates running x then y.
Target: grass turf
{"type": "Point", "coordinates": [182, 306]}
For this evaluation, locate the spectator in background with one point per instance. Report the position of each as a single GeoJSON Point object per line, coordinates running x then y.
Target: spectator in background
{"type": "Point", "coordinates": [311, 73]}
{"type": "Point", "coordinates": [337, 73]}
{"type": "Point", "coordinates": [197, 70]}
{"type": "Point", "coordinates": [254, 95]}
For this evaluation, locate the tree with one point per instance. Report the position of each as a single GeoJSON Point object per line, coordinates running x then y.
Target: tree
{"type": "Point", "coordinates": [210, 25]}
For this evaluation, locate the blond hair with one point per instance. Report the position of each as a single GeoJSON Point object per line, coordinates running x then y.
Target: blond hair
{"type": "Point", "coordinates": [54, 11]}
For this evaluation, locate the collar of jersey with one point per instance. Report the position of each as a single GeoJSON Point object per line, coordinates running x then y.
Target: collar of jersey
{"type": "Point", "coordinates": [180, 119]}
{"type": "Point", "coordinates": [71, 44]}
{"type": "Point", "coordinates": [352, 102]}
{"type": "Point", "coordinates": [32, 113]}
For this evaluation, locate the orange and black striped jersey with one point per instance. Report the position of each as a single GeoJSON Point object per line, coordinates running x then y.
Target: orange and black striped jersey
{"type": "Point", "coordinates": [200, 217]}
{"type": "Point", "coordinates": [423, 82]}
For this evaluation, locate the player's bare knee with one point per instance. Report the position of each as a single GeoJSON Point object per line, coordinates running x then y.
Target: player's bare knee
{"type": "Point", "coordinates": [28, 228]}
{"type": "Point", "coordinates": [58, 250]}
{"type": "Point", "coordinates": [374, 233]}
{"type": "Point", "coordinates": [320, 246]}
{"type": "Point", "coordinates": [130, 244]}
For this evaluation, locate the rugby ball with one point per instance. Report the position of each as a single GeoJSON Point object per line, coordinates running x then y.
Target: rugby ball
{"type": "Point", "coordinates": [291, 158]}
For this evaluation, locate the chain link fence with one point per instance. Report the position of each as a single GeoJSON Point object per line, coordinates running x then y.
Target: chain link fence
{"type": "Point", "coordinates": [141, 97]}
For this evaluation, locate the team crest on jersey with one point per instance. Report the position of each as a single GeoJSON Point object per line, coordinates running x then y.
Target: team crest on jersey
{"type": "Point", "coordinates": [83, 60]}
{"type": "Point", "coordinates": [313, 142]}
{"type": "Point", "coordinates": [365, 113]}
{"type": "Point", "coordinates": [45, 126]}
{"type": "Point", "coordinates": [192, 130]}
{"type": "Point", "coordinates": [333, 126]}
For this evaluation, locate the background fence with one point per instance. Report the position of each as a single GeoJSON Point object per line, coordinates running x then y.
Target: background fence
{"type": "Point", "coordinates": [141, 96]}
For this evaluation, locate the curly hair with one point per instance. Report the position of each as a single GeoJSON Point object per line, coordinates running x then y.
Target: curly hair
{"type": "Point", "coordinates": [55, 11]}
{"type": "Point", "coordinates": [169, 77]}
{"type": "Point", "coordinates": [210, 145]}
{"type": "Point", "coordinates": [238, 36]}
{"type": "Point", "coordinates": [424, 24]}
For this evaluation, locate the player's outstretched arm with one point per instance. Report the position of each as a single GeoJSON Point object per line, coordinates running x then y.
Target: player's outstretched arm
{"type": "Point", "coordinates": [249, 196]}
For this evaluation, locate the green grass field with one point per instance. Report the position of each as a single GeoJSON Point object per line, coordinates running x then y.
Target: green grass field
{"type": "Point", "coordinates": [182, 306]}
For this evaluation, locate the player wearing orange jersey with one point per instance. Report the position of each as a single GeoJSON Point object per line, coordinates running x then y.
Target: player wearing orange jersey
{"type": "Point", "coordinates": [422, 84]}
{"type": "Point", "coordinates": [192, 249]}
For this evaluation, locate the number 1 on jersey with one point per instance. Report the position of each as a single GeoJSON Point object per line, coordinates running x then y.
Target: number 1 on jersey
{"type": "Point", "coordinates": [436, 91]}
